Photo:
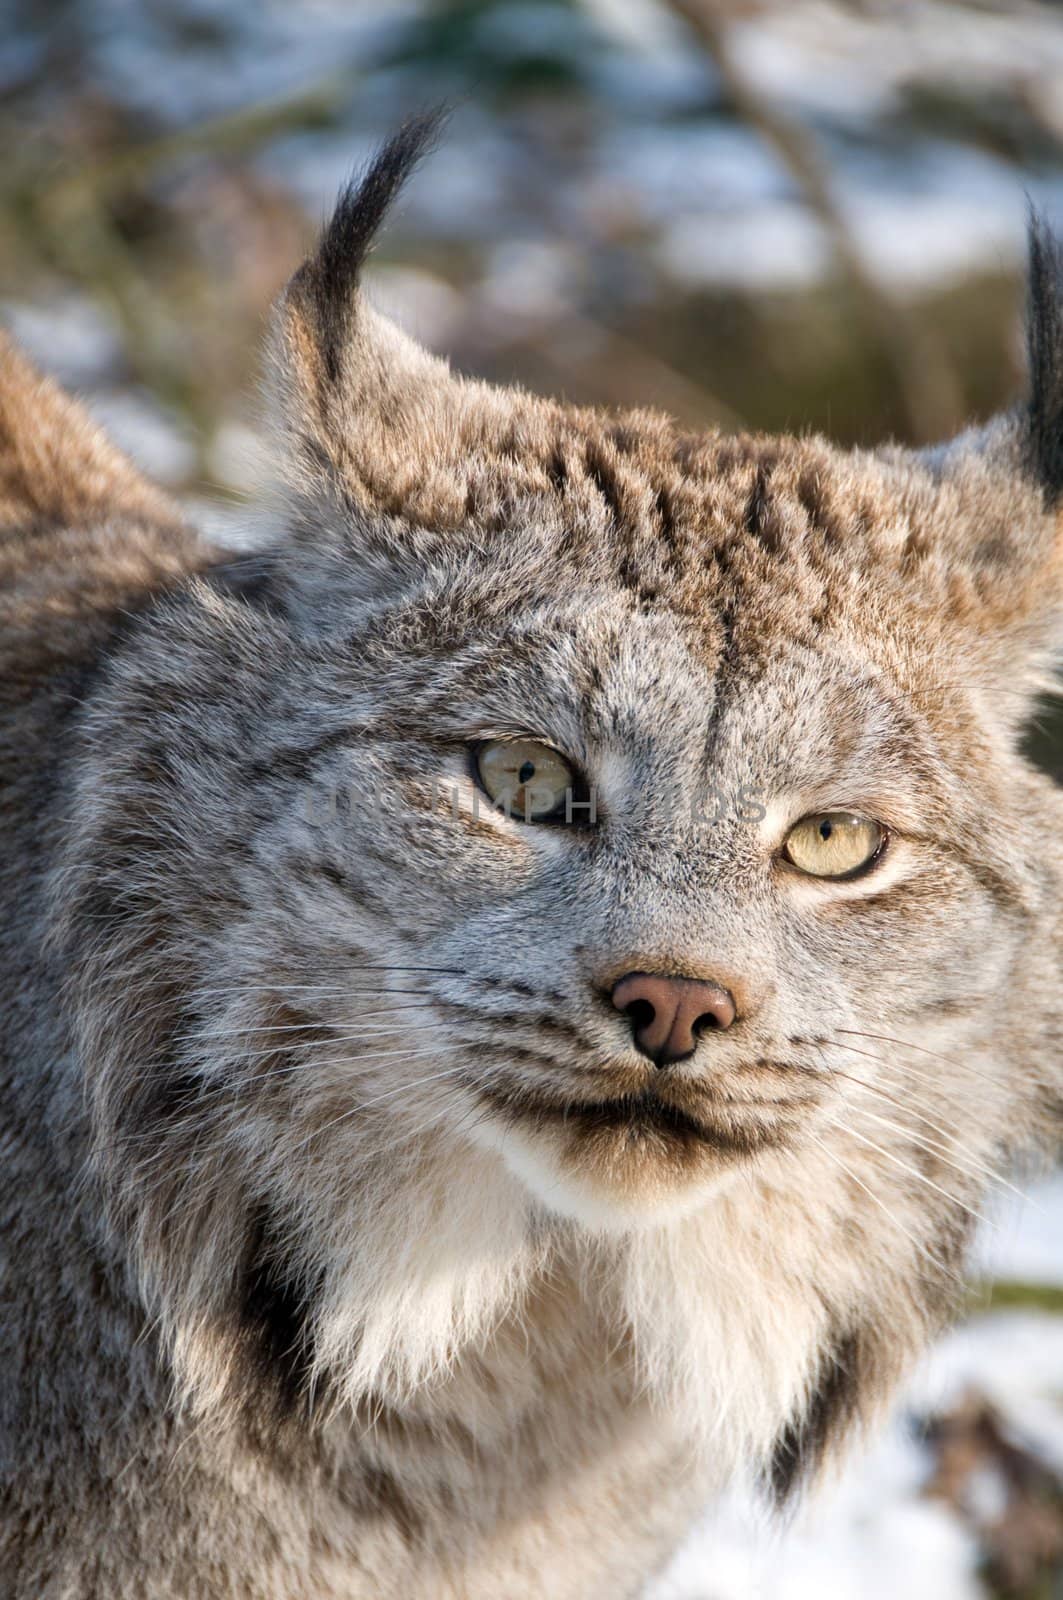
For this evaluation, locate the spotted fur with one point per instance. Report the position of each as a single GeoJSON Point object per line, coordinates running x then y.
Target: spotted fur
{"type": "Point", "coordinates": [351, 1249]}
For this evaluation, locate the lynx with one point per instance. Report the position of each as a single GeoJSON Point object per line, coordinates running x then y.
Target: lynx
{"type": "Point", "coordinates": [513, 994]}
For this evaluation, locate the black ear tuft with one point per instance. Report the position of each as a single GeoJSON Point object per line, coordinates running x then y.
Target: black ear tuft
{"type": "Point", "coordinates": [1044, 340]}
{"type": "Point", "coordinates": [330, 277]}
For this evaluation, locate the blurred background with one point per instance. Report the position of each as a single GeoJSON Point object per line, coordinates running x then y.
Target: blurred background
{"type": "Point", "coordinates": [789, 215]}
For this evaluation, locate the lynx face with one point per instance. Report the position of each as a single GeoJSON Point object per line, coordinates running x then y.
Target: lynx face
{"type": "Point", "coordinates": [689, 762]}
{"type": "Point", "coordinates": [757, 944]}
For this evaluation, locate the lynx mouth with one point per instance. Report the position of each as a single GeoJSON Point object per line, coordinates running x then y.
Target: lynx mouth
{"type": "Point", "coordinates": [640, 1119]}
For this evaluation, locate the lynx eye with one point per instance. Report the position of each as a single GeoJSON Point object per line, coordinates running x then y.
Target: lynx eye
{"type": "Point", "coordinates": [525, 778]}
{"type": "Point", "coordinates": [833, 844]}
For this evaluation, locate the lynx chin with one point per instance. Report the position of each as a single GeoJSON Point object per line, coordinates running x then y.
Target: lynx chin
{"type": "Point", "coordinates": [438, 1200]}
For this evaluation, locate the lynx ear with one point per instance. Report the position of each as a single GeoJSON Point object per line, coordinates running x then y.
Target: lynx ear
{"type": "Point", "coordinates": [1027, 441]}
{"type": "Point", "coordinates": [368, 418]}
{"type": "Point", "coordinates": [1044, 340]}
{"type": "Point", "coordinates": [323, 299]}
{"type": "Point", "coordinates": [987, 544]}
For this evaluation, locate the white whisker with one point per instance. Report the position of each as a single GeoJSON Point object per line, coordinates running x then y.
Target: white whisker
{"type": "Point", "coordinates": [933, 1147]}
{"type": "Point", "coordinates": [921, 1177]}
{"type": "Point", "coordinates": [872, 1196]}
{"type": "Point", "coordinates": [905, 1044]}
{"type": "Point", "coordinates": [947, 1150]}
{"type": "Point", "coordinates": [237, 1031]}
{"type": "Point", "coordinates": [323, 1038]}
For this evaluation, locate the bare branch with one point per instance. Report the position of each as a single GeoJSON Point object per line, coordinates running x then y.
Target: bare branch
{"type": "Point", "coordinates": [919, 363]}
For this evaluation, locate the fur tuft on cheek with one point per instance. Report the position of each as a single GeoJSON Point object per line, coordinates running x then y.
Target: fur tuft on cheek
{"type": "Point", "coordinates": [729, 1358]}
{"type": "Point", "coordinates": [756, 1323]}
{"type": "Point", "coordinates": [424, 1272]}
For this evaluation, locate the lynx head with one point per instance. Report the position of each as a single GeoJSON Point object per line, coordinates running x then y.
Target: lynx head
{"type": "Point", "coordinates": [580, 831]}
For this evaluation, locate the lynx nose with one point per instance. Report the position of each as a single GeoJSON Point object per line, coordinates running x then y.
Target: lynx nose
{"type": "Point", "coordinates": [668, 1015]}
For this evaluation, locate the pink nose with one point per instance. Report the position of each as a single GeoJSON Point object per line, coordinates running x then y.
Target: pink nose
{"type": "Point", "coordinates": [668, 1015]}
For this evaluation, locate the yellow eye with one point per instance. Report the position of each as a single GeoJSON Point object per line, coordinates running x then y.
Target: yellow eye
{"type": "Point", "coordinates": [528, 780]}
{"type": "Point", "coordinates": [833, 844]}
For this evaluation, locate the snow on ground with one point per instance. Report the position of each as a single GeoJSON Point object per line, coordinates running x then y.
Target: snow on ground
{"type": "Point", "coordinates": [876, 1534]}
